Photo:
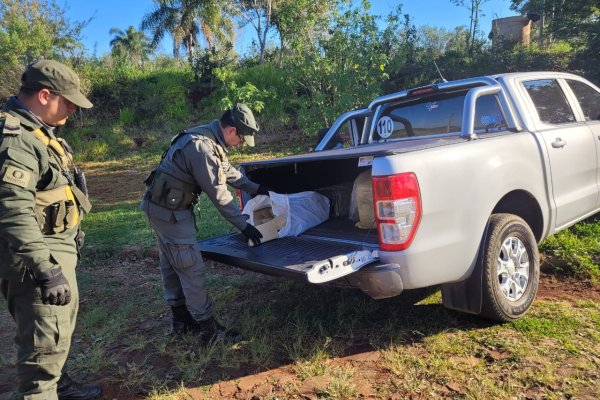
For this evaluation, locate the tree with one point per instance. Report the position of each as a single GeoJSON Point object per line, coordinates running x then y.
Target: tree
{"type": "Point", "coordinates": [258, 14]}
{"type": "Point", "coordinates": [133, 45]}
{"type": "Point", "coordinates": [474, 7]}
{"type": "Point", "coordinates": [30, 30]}
{"type": "Point", "coordinates": [185, 20]}
{"type": "Point", "coordinates": [298, 21]}
{"type": "Point", "coordinates": [572, 21]}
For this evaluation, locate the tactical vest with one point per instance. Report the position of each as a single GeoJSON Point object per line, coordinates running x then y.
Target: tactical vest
{"type": "Point", "coordinates": [57, 209]}
{"type": "Point", "coordinates": [60, 208]}
{"type": "Point", "coordinates": [166, 190]}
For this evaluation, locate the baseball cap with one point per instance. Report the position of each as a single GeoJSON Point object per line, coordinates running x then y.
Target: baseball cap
{"type": "Point", "coordinates": [244, 121]}
{"type": "Point", "coordinates": [56, 77]}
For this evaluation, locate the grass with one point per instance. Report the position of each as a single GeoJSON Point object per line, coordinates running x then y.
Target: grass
{"type": "Point", "coordinates": [307, 340]}
{"type": "Point", "coordinates": [576, 250]}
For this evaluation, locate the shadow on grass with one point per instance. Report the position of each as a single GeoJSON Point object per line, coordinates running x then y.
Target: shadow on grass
{"type": "Point", "coordinates": [123, 326]}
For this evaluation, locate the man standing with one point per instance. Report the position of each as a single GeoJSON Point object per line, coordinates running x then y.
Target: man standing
{"type": "Point", "coordinates": [197, 162]}
{"type": "Point", "coordinates": [41, 209]}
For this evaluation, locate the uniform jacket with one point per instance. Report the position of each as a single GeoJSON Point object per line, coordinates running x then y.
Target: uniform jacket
{"type": "Point", "coordinates": [199, 157]}
{"type": "Point", "coordinates": [26, 170]}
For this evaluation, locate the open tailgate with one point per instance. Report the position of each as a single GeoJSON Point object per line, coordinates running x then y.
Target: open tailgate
{"type": "Point", "coordinates": [305, 257]}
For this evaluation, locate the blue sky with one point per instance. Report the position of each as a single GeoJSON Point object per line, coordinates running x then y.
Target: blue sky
{"type": "Point", "coordinates": [107, 14]}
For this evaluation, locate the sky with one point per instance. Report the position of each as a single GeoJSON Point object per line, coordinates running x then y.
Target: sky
{"type": "Point", "coordinates": [107, 14]}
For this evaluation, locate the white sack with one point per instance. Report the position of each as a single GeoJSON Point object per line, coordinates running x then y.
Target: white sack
{"type": "Point", "coordinates": [302, 211]}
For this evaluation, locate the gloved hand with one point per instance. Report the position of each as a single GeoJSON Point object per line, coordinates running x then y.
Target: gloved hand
{"type": "Point", "coordinates": [263, 189]}
{"type": "Point", "coordinates": [55, 287]}
{"type": "Point", "coordinates": [252, 234]}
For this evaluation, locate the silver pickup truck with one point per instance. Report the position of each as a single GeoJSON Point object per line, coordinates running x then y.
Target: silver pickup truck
{"type": "Point", "coordinates": [467, 177]}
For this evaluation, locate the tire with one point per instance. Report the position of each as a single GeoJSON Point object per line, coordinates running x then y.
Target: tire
{"type": "Point", "coordinates": [510, 266]}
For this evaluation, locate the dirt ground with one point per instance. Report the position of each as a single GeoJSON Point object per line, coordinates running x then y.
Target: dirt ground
{"type": "Point", "coordinates": [243, 383]}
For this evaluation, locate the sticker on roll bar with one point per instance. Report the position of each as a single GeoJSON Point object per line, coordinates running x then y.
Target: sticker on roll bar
{"type": "Point", "coordinates": [342, 265]}
{"type": "Point", "coordinates": [385, 127]}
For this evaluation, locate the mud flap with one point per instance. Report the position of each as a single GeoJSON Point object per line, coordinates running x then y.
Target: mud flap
{"type": "Point", "coordinates": [466, 296]}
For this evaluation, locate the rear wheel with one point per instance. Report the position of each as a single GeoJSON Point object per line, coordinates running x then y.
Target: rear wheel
{"type": "Point", "coordinates": [511, 268]}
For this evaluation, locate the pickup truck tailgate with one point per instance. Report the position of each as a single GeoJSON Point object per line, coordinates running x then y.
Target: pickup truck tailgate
{"type": "Point", "coordinates": [292, 257]}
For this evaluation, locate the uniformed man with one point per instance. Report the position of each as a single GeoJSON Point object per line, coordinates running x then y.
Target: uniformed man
{"type": "Point", "coordinates": [197, 162]}
{"type": "Point", "coordinates": [41, 209]}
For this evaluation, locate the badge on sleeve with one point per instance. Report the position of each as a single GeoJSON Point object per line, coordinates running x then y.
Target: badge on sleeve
{"type": "Point", "coordinates": [16, 176]}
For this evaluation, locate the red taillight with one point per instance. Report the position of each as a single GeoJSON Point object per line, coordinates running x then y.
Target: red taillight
{"type": "Point", "coordinates": [397, 203]}
{"type": "Point", "coordinates": [238, 194]}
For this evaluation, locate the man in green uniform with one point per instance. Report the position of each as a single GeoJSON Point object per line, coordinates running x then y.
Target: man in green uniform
{"type": "Point", "coordinates": [41, 209]}
{"type": "Point", "coordinates": [197, 162]}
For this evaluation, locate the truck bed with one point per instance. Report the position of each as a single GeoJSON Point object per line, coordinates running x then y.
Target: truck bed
{"type": "Point", "coordinates": [291, 257]}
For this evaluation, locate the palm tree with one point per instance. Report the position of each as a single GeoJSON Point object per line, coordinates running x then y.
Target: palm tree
{"type": "Point", "coordinates": [185, 19]}
{"type": "Point", "coordinates": [132, 44]}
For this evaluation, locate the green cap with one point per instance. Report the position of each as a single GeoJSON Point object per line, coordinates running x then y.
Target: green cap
{"type": "Point", "coordinates": [243, 120]}
{"type": "Point", "coordinates": [58, 78]}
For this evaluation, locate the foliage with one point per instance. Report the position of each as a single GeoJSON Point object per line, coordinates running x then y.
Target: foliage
{"type": "Point", "coordinates": [576, 249]}
{"type": "Point", "coordinates": [30, 30]}
{"type": "Point", "coordinates": [258, 14]}
{"type": "Point", "coordinates": [298, 22]}
{"type": "Point", "coordinates": [131, 46]}
{"type": "Point", "coordinates": [571, 21]}
{"type": "Point", "coordinates": [184, 20]}
{"type": "Point", "coordinates": [333, 77]}
{"type": "Point", "coordinates": [474, 7]}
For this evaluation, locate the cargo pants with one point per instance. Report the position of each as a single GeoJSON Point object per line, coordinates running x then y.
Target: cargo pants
{"type": "Point", "coordinates": [181, 265]}
{"type": "Point", "coordinates": [43, 335]}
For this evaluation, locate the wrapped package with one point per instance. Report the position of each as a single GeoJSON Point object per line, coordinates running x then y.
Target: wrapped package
{"type": "Point", "coordinates": [295, 213]}
{"type": "Point", "coordinates": [361, 202]}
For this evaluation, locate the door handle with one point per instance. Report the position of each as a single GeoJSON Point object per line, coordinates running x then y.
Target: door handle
{"type": "Point", "coordinates": [559, 143]}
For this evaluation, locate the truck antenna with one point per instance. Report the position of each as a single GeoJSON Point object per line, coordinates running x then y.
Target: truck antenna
{"type": "Point", "coordinates": [439, 72]}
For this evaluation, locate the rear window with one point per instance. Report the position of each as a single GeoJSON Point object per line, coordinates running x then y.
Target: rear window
{"type": "Point", "coordinates": [550, 101]}
{"type": "Point", "coordinates": [442, 115]}
{"type": "Point", "coordinates": [588, 98]}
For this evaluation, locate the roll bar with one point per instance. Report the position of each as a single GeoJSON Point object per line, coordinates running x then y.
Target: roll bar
{"type": "Point", "coordinates": [485, 86]}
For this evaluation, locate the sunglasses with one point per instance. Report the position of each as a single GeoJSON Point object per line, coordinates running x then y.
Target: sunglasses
{"type": "Point", "coordinates": [237, 132]}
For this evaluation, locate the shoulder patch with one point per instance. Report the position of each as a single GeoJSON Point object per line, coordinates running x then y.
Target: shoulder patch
{"type": "Point", "coordinates": [16, 176]}
{"type": "Point", "coordinates": [11, 125]}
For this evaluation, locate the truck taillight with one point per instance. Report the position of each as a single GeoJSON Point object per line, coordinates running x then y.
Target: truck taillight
{"type": "Point", "coordinates": [397, 203]}
{"type": "Point", "coordinates": [238, 194]}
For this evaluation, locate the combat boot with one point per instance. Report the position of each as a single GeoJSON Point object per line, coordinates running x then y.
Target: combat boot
{"type": "Point", "coordinates": [213, 330]}
{"type": "Point", "coordinates": [68, 389]}
{"type": "Point", "coordinates": [183, 322]}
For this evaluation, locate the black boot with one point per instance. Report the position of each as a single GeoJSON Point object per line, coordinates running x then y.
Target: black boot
{"type": "Point", "coordinates": [68, 389]}
{"type": "Point", "coordinates": [183, 322]}
{"type": "Point", "coordinates": [210, 329]}
{"type": "Point", "coordinates": [213, 330]}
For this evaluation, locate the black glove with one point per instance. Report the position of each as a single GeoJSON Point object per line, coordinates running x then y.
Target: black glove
{"type": "Point", "coordinates": [263, 189]}
{"type": "Point", "coordinates": [252, 234]}
{"type": "Point", "coordinates": [55, 287]}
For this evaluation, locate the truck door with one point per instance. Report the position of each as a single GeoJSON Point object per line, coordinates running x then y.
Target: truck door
{"type": "Point", "coordinates": [588, 99]}
{"type": "Point", "coordinates": [571, 150]}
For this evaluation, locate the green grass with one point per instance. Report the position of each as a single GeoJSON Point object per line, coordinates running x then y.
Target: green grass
{"type": "Point", "coordinates": [576, 250]}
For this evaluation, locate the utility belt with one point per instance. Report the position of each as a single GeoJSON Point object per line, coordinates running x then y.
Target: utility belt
{"type": "Point", "coordinates": [59, 209]}
{"type": "Point", "coordinates": [172, 193]}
